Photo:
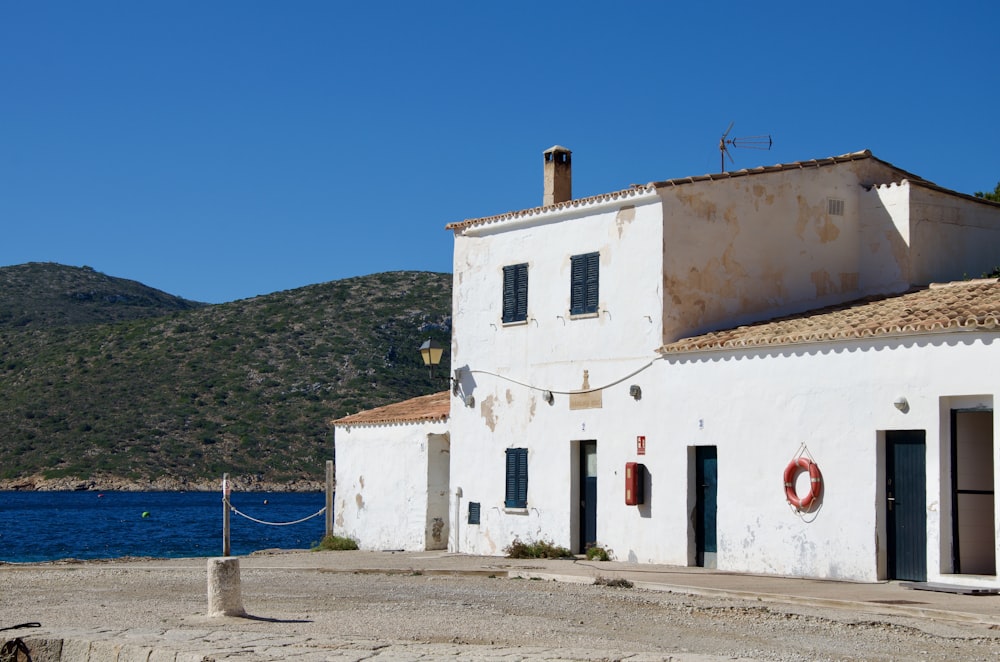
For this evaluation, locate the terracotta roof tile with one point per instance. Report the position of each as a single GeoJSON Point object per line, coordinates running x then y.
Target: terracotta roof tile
{"type": "Point", "coordinates": [637, 189]}
{"type": "Point", "coordinates": [425, 408]}
{"type": "Point", "coordinates": [970, 305]}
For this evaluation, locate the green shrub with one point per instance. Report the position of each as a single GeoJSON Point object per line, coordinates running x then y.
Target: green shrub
{"type": "Point", "coordinates": [335, 544]}
{"type": "Point", "coordinates": [541, 549]}
{"type": "Point", "coordinates": [597, 553]}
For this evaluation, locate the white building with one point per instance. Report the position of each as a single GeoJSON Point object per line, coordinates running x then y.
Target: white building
{"type": "Point", "coordinates": [559, 313]}
{"type": "Point", "coordinates": [392, 475]}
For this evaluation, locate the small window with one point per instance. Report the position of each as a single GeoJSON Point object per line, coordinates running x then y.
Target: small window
{"type": "Point", "coordinates": [515, 293]}
{"type": "Point", "coordinates": [584, 283]}
{"type": "Point", "coordinates": [517, 478]}
{"type": "Point", "coordinates": [473, 512]}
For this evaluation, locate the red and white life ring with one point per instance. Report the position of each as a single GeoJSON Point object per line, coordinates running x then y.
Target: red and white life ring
{"type": "Point", "coordinates": [815, 482]}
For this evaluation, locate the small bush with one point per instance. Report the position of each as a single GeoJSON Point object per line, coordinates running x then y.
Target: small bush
{"type": "Point", "coordinates": [613, 583]}
{"type": "Point", "coordinates": [596, 553]}
{"type": "Point", "coordinates": [335, 544]}
{"type": "Point", "coordinates": [541, 549]}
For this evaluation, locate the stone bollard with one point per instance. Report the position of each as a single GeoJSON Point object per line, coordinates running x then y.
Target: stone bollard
{"type": "Point", "coordinates": [224, 596]}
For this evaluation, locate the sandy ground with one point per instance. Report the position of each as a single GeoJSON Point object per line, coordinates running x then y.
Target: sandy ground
{"type": "Point", "coordinates": [392, 614]}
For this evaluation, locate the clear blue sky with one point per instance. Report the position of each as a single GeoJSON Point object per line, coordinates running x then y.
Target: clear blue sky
{"type": "Point", "coordinates": [222, 149]}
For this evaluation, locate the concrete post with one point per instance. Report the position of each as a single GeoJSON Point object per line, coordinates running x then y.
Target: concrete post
{"type": "Point", "coordinates": [224, 595]}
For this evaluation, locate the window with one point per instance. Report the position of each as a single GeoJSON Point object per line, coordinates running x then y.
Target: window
{"type": "Point", "coordinates": [515, 293]}
{"type": "Point", "coordinates": [517, 478]}
{"type": "Point", "coordinates": [583, 283]}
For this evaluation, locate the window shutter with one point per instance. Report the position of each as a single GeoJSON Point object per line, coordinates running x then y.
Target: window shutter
{"type": "Point", "coordinates": [522, 292]}
{"type": "Point", "coordinates": [584, 283]}
{"type": "Point", "coordinates": [577, 284]}
{"type": "Point", "coordinates": [517, 478]}
{"type": "Point", "coordinates": [593, 276]}
{"type": "Point", "coordinates": [515, 293]}
{"type": "Point", "coordinates": [509, 294]}
{"type": "Point", "coordinates": [522, 478]}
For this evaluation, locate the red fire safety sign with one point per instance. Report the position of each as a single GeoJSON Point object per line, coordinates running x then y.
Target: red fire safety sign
{"type": "Point", "coordinates": [640, 445]}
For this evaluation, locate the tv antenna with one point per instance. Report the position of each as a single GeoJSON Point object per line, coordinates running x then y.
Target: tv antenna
{"type": "Point", "coordinates": [746, 142]}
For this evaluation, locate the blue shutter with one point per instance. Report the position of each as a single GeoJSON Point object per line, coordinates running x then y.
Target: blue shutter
{"type": "Point", "coordinates": [515, 293]}
{"type": "Point", "coordinates": [593, 278]}
{"type": "Point", "coordinates": [509, 294]}
{"type": "Point", "coordinates": [522, 292]}
{"type": "Point", "coordinates": [584, 283]}
{"type": "Point", "coordinates": [576, 285]}
{"type": "Point", "coordinates": [517, 478]}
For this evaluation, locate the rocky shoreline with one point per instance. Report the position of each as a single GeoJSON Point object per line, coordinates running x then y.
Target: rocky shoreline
{"type": "Point", "coordinates": [160, 484]}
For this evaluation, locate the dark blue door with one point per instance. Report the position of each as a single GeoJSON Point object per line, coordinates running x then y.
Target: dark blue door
{"type": "Point", "coordinates": [706, 480]}
{"type": "Point", "coordinates": [906, 504]}
{"type": "Point", "coordinates": [588, 494]}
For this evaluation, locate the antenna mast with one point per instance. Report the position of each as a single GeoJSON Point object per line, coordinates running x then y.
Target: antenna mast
{"type": "Point", "coordinates": [746, 142]}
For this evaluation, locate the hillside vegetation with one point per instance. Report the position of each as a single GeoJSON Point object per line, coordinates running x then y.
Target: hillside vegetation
{"type": "Point", "coordinates": [107, 383]}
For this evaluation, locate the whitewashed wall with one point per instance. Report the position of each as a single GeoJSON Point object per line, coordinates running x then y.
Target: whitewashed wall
{"type": "Point", "coordinates": [383, 475]}
{"type": "Point", "coordinates": [507, 368]}
{"type": "Point", "coordinates": [758, 406]}
{"type": "Point", "coordinates": [674, 262]}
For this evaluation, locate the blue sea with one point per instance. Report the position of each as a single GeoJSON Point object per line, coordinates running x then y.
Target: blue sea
{"type": "Point", "coordinates": [46, 526]}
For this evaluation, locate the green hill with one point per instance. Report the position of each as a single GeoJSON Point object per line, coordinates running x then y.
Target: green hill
{"type": "Point", "coordinates": [107, 383]}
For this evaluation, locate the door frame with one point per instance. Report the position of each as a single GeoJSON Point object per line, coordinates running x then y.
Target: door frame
{"type": "Point", "coordinates": [703, 557]}
{"type": "Point", "coordinates": [889, 495]}
{"type": "Point", "coordinates": [586, 508]}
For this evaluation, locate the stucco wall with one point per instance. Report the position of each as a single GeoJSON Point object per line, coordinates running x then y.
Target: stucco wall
{"type": "Point", "coordinates": [756, 409]}
{"type": "Point", "coordinates": [685, 259]}
{"type": "Point", "coordinates": [952, 238]}
{"type": "Point", "coordinates": [382, 477]}
{"type": "Point", "coordinates": [751, 248]}
{"type": "Point", "coordinates": [506, 369]}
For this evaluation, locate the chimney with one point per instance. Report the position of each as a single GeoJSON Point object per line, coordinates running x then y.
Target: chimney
{"type": "Point", "coordinates": [558, 176]}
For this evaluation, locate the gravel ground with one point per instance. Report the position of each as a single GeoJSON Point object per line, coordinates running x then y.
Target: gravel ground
{"type": "Point", "coordinates": [419, 616]}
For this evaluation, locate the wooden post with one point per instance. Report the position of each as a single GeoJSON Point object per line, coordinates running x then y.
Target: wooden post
{"type": "Point", "coordinates": [225, 514]}
{"type": "Point", "coordinates": [329, 498]}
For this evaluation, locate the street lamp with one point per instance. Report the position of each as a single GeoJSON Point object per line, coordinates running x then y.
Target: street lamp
{"type": "Point", "coordinates": [431, 352]}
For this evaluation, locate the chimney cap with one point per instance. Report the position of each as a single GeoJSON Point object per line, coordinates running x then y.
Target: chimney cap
{"type": "Point", "coordinates": [557, 148]}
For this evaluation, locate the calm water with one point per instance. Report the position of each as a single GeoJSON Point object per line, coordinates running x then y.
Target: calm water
{"type": "Point", "coordinates": [44, 526]}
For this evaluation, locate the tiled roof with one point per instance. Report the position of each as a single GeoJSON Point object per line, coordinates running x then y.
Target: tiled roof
{"type": "Point", "coordinates": [969, 305]}
{"type": "Point", "coordinates": [425, 408]}
{"type": "Point", "coordinates": [652, 186]}
{"type": "Point", "coordinates": [639, 189]}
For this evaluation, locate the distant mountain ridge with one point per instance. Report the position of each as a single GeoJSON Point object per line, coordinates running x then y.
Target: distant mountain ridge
{"type": "Point", "coordinates": [49, 294]}
{"type": "Point", "coordinates": [107, 383]}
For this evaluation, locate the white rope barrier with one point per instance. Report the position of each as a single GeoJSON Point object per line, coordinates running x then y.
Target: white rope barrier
{"type": "Point", "coordinates": [259, 521]}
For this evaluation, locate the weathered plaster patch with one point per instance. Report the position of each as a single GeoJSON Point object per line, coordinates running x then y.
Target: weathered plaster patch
{"type": "Point", "coordinates": [510, 397]}
{"type": "Point", "coordinates": [486, 411]}
{"type": "Point", "coordinates": [436, 529]}
{"type": "Point", "coordinates": [624, 217]}
{"type": "Point", "coordinates": [697, 203]}
{"type": "Point", "coordinates": [531, 407]}
{"type": "Point", "coordinates": [359, 501]}
{"type": "Point", "coordinates": [361, 481]}
{"type": "Point", "coordinates": [489, 543]}
{"type": "Point", "coordinates": [761, 194]}
{"type": "Point", "coordinates": [826, 230]}
{"type": "Point", "coordinates": [849, 281]}
{"type": "Point", "coordinates": [340, 513]}
{"type": "Point", "coordinates": [822, 282]}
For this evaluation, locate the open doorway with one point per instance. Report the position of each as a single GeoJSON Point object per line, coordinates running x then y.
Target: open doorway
{"type": "Point", "coordinates": [973, 498]}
